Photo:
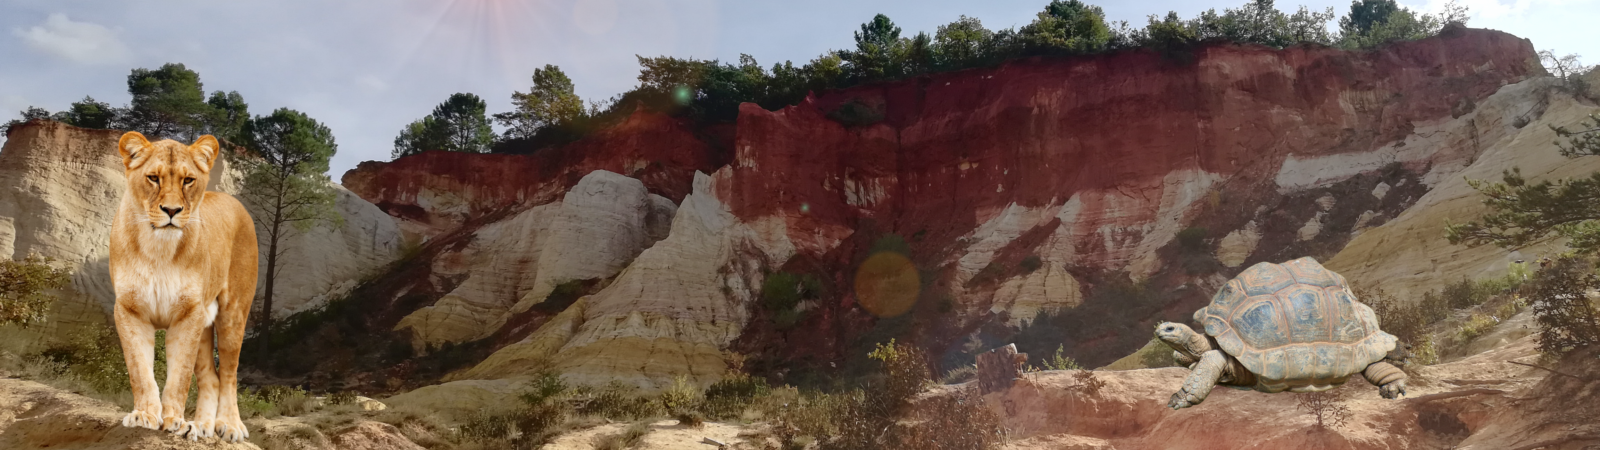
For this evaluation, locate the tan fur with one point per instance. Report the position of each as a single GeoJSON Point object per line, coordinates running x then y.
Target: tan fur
{"type": "Point", "coordinates": [184, 260]}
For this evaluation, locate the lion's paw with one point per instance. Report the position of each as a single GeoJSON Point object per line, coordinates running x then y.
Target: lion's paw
{"type": "Point", "coordinates": [232, 430]}
{"type": "Point", "coordinates": [175, 425]}
{"type": "Point", "coordinates": [142, 419]}
{"type": "Point", "coordinates": [194, 430]}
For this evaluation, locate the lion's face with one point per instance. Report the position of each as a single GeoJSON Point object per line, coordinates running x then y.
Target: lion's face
{"type": "Point", "coordinates": [167, 178]}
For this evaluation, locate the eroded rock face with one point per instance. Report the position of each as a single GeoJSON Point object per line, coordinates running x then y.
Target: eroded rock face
{"type": "Point", "coordinates": [59, 189]}
{"type": "Point", "coordinates": [1039, 159]}
{"type": "Point", "coordinates": [1409, 254]}
{"type": "Point", "coordinates": [438, 191]}
{"type": "Point", "coordinates": [511, 265]}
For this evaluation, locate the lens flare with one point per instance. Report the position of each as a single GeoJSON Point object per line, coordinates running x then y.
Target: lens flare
{"type": "Point", "coordinates": [682, 94]}
{"type": "Point", "coordinates": [887, 284]}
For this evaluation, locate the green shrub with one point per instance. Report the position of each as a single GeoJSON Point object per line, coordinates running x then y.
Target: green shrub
{"type": "Point", "coordinates": [1567, 319]}
{"type": "Point", "coordinates": [484, 426]}
{"type": "Point", "coordinates": [628, 438]}
{"type": "Point", "coordinates": [252, 404]}
{"type": "Point", "coordinates": [960, 375]}
{"type": "Point", "coordinates": [1192, 239]}
{"type": "Point", "coordinates": [681, 396]}
{"type": "Point", "coordinates": [782, 292]}
{"type": "Point", "coordinates": [1060, 361]}
{"type": "Point", "coordinates": [342, 398]}
{"type": "Point", "coordinates": [1031, 263]}
{"type": "Point", "coordinates": [615, 401]}
{"type": "Point", "coordinates": [730, 396]}
{"type": "Point", "coordinates": [1476, 326]}
{"type": "Point", "coordinates": [959, 421]}
{"type": "Point", "coordinates": [24, 287]}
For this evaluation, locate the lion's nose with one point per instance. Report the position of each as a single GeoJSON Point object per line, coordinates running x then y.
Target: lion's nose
{"type": "Point", "coordinates": [172, 212]}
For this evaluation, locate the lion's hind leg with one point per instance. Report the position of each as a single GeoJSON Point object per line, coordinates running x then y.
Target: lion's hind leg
{"type": "Point", "coordinates": [205, 371]}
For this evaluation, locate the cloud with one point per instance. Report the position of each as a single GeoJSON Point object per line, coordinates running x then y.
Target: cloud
{"type": "Point", "coordinates": [80, 42]}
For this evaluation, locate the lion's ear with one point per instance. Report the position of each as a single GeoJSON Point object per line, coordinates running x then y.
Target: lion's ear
{"type": "Point", "coordinates": [130, 146]}
{"type": "Point", "coordinates": [204, 151]}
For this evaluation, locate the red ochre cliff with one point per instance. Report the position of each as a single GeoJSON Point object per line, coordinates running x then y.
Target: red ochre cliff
{"type": "Point", "coordinates": [1030, 187]}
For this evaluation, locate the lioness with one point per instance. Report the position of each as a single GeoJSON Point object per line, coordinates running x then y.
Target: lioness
{"type": "Point", "coordinates": [184, 260]}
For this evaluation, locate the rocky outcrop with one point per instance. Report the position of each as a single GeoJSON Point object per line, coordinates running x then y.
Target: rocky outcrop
{"type": "Point", "coordinates": [1014, 189]}
{"type": "Point", "coordinates": [438, 191]}
{"type": "Point", "coordinates": [670, 313]}
{"type": "Point", "coordinates": [1478, 402]}
{"type": "Point", "coordinates": [33, 415]}
{"type": "Point", "coordinates": [1409, 254]}
{"type": "Point", "coordinates": [59, 189]}
{"type": "Point", "coordinates": [513, 264]}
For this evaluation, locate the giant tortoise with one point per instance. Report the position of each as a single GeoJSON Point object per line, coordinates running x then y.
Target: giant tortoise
{"type": "Point", "coordinates": [1293, 326]}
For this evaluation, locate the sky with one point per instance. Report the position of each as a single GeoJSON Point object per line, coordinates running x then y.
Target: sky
{"type": "Point", "coordinates": [367, 68]}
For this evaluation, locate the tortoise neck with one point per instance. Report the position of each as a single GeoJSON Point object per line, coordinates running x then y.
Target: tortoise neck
{"type": "Point", "coordinates": [1199, 344]}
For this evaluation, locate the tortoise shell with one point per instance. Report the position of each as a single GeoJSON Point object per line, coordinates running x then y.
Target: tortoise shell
{"type": "Point", "coordinates": [1294, 325]}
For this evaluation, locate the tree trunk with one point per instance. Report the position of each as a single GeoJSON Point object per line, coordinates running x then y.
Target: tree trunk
{"type": "Point", "coordinates": [272, 271]}
{"type": "Point", "coordinates": [999, 367]}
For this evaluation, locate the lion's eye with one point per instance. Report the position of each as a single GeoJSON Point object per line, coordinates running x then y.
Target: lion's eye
{"type": "Point", "coordinates": [186, 181]}
{"type": "Point", "coordinates": [154, 179]}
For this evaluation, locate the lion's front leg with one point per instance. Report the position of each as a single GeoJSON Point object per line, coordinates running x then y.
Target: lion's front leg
{"type": "Point", "coordinates": [183, 338]}
{"type": "Point", "coordinates": [138, 339]}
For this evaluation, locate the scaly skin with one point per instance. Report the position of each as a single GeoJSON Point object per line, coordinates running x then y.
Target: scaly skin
{"type": "Point", "coordinates": [1200, 381]}
{"type": "Point", "coordinates": [1391, 381]}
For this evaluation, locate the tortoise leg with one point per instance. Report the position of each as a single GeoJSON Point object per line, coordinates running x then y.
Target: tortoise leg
{"type": "Point", "coordinates": [1200, 381]}
{"type": "Point", "coordinates": [1391, 381]}
{"type": "Point", "coordinates": [1183, 360]}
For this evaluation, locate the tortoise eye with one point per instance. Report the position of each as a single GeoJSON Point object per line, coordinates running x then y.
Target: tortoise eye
{"type": "Point", "coordinates": [154, 179]}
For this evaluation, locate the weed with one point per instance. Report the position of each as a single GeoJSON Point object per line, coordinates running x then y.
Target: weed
{"type": "Point", "coordinates": [342, 398]}
{"type": "Point", "coordinates": [484, 426]}
{"type": "Point", "coordinates": [615, 401]}
{"type": "Point", "coordinates": [1567, 319]}
{"type": "Point", "coordinates": [960, 375]}
{"type": "Point", "coordinates": [1059, 361]}
{"type": "Point", "coordinates": [1476, 326]}
{"type": "Point", "coordinates": [1326, 406]}
{"type": "Point", "coordinates": [958, 421]}
{"type": "Point", "coordinates": [626, 439]}
{"type": "Point", "coordinates": [729, 397]}
{"type": "Point", "coordinates": [681, 397]}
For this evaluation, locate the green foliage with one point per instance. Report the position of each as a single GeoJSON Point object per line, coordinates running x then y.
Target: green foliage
{"type": "Point", "coordinates": [890, 243]}
{"type": "Point", "coordinates": [24, 289]}
{"type": "Point", "coordinates": [1364, 14]}
{"type": "Point", "coordinates": [962, 43]}
{"type": "Point", "coordinates": [485, 427]}
{"type": "Point", "coordinates": [458, 125]}
{"type": "Point", "coordinates": [628, 438]}
{"type": "Point", "coordinates": [1373, 22]}
{"type": "Point", "coordinates": [227, 116]}
{"type": "Point", "coordinates": [682, 396]}
{"type": "Point", "coordinates": [1030, 263]}
{"type": "Point", "coordinates": [960, 375]}
{"type": "Point", "coordinates": [1059, 361]}
{"type": "Point", "coordinates": [342, 398]}
{"type": "Point", "coordinates": [1193, 239]}
{"type": "Point", "coordinates": [88, 113]}
{"type": "Point", "coordinates": [1067, 27]}
{"type": "Point", "coordinates": [167, 102]}
{"type": "Point", "coordinates": [287, 184]}
{"type": "Point", "coordinates": [730, 396]}
{"type": "Point", "coordinates": [615, 401]}
{"type": "Point", "coordinates": [878, 53]}
{"type": "Point", "coordinates": [95, 357]}
{"type": "Point", "coordinates": [1523, 212]}
{"type": "Point", "coordinates": [1567, 318]}
{"type": "Point", "coordinates": [1584, 141]}
{"type": "Point", "coordinates": [252, 404]}
{"type": "Point", "coordinates": [552, 101]}
{"type": "Point", "coordinates": [782, 292]}
{"type": "Point", "coordinates": [1477, 325]}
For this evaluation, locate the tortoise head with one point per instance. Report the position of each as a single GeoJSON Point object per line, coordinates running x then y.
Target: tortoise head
{"type": "Point", "coordinates": [1175, 335]}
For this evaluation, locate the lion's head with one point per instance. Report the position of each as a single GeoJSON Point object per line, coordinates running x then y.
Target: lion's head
{"type": "Point", "coordinates": [167, 178]}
